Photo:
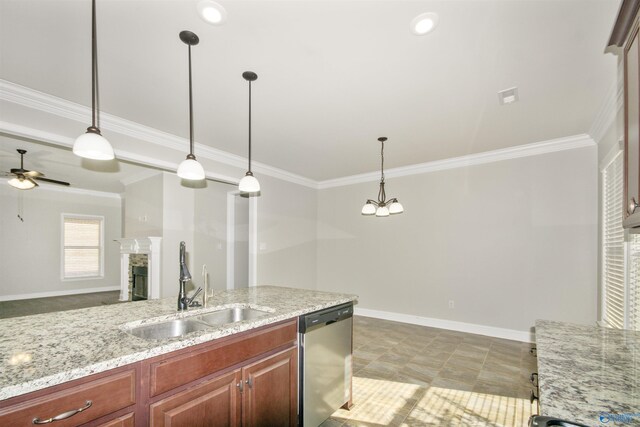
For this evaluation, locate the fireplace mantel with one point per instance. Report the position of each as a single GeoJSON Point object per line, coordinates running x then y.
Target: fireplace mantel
{"type": "Point", "coordinates": [140, 245]}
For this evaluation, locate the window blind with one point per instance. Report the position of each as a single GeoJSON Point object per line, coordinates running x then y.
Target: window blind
{"type": "Point", "coordinates": [633, 306]}
{"type": "Point", "coordinates": [613, 254]}
{"type": "Point", "coordinates": [82, 243]}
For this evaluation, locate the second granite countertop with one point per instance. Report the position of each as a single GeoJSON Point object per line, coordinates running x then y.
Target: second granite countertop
{"type": "Point", "coordinates": [588, 374]}
{"type": "Point", "coordinates": [48, 349]}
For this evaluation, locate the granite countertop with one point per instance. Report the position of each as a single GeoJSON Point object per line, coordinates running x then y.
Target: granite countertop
{"type": "Point", "coordinates": [47, 349]}
{"type": "Point", "coordinates": [588, 374]}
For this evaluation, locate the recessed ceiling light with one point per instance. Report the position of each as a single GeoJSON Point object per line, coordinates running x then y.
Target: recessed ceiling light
{"type": "Point", "coordinates": [424, 23]}
{"type": "Point", "coordinates": [212, 12]}
{"type": "Point", "coordinates": [508, 96]}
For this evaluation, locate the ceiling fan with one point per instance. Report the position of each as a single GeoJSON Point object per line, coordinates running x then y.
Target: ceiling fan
{"type": "Point", "coordinates": [24, 179]}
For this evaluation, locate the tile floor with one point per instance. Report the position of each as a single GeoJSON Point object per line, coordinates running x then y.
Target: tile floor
{"type": "Point", "coordinates": [409, 375]}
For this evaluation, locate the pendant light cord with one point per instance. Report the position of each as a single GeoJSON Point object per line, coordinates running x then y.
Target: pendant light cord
{"type": "Point", "coordinates": [94, 66]}
{"type": "Point", "coordinates": [249, 126]}
{"type": "Point", "coordinates": [190, 109]}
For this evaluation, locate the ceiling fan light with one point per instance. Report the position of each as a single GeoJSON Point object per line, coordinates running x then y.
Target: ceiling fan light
{"type": "Point", "coordinates": [21, 184]}
{"type": "Point", "coordinates": [92, 145]}
{"type": "Point", "coordinates": [249, 184]}
{"type": "Point", "coordinates": [368, 209]}
{"type": "Point", "coordinates": [382, 211]}
{"type": "Point", "coordinates": [396, 208]}
{"type": "Point", "coordinates": [191, 169]}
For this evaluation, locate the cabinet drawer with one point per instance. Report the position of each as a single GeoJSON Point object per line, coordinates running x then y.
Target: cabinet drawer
{"type": "Point", "coordinates": [176, 371]}
{"type": "Point", "coordinates": [212, 403]}
{"type": "Point", "coordinates": [123, 421]}
{"type": "Point", "coordinates": [106, 395]}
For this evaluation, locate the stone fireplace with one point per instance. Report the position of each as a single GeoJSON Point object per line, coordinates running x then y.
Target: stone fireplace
{"type": "Point", "coordinates": [139, 262]}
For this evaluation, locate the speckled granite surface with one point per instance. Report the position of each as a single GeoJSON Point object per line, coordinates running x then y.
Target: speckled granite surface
{"type": "Point", "coordinates": [588, 372]}
{"type": "Point", "coordinates": [48, 349]}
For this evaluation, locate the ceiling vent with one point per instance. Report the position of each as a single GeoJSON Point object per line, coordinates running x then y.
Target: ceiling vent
{"type": "Point", "coordinates": [508, 96]}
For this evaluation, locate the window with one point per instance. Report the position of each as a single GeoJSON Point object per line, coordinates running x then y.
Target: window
{"type": "Point", "coordinates": [613, 246]}
{"type": "Point", "coordinates": [83, 246]}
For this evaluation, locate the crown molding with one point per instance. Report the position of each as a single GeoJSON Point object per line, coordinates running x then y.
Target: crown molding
{"type": "Point", "coordinates": [30, 98]}
{"type": "Point", "coordinates": [42, 186]}
{"type": "Point", "coordinates": [550, 146]}
{"type": "Point", "coordinates": [44, 102]}
{"type": "Point", "coordinates": [608, 112]}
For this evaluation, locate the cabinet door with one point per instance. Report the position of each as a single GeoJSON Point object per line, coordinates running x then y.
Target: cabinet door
{"type": "Point", "coordinates": [123, 421]}
{"type": "Point", "coordinates": [270, 392]}
{"type": "Point", "coordinates": [210, 404]}
{"type": "Point", "coordinates": [632, 130]}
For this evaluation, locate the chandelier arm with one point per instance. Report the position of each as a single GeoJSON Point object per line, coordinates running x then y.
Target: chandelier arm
{"type": "Point", "coordinates": [382, 195]}
{"type": "Point", "coordinates": [373, 202]}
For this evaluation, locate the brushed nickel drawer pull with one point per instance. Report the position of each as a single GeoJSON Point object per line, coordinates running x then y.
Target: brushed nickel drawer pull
{"type": "Point", "coordinates": [64, 415]}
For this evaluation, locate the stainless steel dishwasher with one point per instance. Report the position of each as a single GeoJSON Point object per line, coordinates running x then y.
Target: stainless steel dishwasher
{"type": "Point", "coordinates": [325, 363]}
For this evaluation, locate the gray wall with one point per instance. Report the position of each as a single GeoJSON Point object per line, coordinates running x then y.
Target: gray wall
{"type": "Point", "coordinates": [30, 251]}
{"type": "Point", "coordinates": [510, 242]}
{"type": "Point", "coordinates": [286, 234]}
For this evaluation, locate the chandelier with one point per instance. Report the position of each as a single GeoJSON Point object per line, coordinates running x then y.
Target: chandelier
{"type": "Point", "coordinates": [382, 207]}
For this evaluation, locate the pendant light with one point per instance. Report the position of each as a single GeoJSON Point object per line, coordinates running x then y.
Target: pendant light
{"type": "Point", "coordinates": [249, 184]}
{"type": "Point", "coordinates": [92, 145]}
{"type": "Point", "coordinates": [382, 207]}
{"type": "Point", "coordinates": [190, 168]}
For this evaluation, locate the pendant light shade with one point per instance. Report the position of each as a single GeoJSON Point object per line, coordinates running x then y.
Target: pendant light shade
{"type": "Point", "coordinates": [249, 184]}
{"type": "Point", "coordinates": [382, 207]}
{"type": "Point", "coordinates": [92, 145]}
{"type": "Point", "coordinates": [190, 168]}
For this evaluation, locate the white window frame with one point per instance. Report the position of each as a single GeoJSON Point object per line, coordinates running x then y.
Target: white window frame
{"type": "Point", "coordinates": [63, 217]}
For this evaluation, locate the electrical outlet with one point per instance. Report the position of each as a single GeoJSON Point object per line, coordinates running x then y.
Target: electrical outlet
{"type": "Point", "coordinates": [451, 304]}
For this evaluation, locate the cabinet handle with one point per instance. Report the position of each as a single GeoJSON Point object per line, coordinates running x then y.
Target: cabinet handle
{"type": "Point", "coordinates": [631, 208]}
{"type": "Point", "coordinates": [240, 385]}
{"type": "Point", "coordinates": [250, 382]}
{"type": "Point", "coordinates": [64, 415]}
{"type": "Point", "coordinates": [534, 378]}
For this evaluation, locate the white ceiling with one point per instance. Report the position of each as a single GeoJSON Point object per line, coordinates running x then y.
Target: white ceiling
{"type": "Point", "coordinates": [333, 75]}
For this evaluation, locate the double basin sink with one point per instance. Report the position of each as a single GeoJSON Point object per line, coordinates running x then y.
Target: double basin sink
{"type": "Point", "coordinates": [197, 322]}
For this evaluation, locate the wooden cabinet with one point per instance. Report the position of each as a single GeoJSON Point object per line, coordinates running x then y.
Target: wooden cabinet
{"type": "Point", "coordinates": [246, 379]}
{"type": "Point", "coordinates": [625, 35]}
{"type": "Point", "coordinates": [76, 403]}
{"type": "Point", "coordinates": [211, 403]}
{"type": "Point", "coordinates": [270, 392]}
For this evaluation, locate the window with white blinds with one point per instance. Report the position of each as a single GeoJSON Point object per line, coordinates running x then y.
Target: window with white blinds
{"type": "Point", "coordinates": [613, 246]}
{"type": "Point", "coordinates": [633, 276]}
{"type": "Point", "coordinates": [82, 241]}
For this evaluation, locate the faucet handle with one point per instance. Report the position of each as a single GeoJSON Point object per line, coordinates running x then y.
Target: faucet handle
{"type": "Point", "coordinates": [192, 302]}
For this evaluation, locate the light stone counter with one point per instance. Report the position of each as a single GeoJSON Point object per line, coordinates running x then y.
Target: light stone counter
{"type": "Point", "coordinates": [47, 349]}
{"type": "Point", "coordinates": [588, 372]}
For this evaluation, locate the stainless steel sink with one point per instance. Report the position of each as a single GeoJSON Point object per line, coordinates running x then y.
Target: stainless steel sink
{"type": "Point", "coordinates": [231, 315]}
{"type": "Point", "coordinates": [181, 327]}
{"type": "Point", "coordinates": [168, 329]}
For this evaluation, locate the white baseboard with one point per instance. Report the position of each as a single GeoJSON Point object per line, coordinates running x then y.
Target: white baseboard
{"type": "Point", "coordinates": [58, 293]}
{"type": "Point", "coordinates": [471, 328]}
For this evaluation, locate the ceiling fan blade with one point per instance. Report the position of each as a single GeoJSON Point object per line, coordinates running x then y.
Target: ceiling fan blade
{"type": "Point", "coordinates": [53, 181]}
{"type": "Point", "coordinates": [31, 180]}
{"type": "Point", "coordinates": [33, 174]}
{"type": "Point", "coordinates": [4, 174]}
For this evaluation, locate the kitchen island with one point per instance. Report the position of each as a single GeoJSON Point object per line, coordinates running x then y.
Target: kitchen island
{"type": "Point", "coordinates": [44, 352]}
{"type": "Point", "coordinates": [588, 374]}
